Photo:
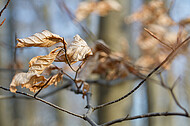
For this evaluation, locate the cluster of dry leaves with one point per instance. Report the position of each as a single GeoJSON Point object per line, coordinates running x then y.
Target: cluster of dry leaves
{"type": "Point", "coordinates": [156, 46]}
{"type": "Point", "coordinates": [101, 7]}
{"type": "Point", "coordinates": [107, 64]}
{"type": "Point", "coordinates": [40, 66]}
{"type": "Point", "coordinates": [101, 60]}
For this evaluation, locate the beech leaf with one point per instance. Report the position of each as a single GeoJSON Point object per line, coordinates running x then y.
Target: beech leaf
{"type": "Point", "coordinates": [39, 63]}
{"type": "Point", "coordinates": [77, 50]}
{"type": "Point", "coordinates": [26, 80]}
{"type": "Point", "coordinates": [55, 79]}
{"type": "Point", "coordinates": [42, 39]}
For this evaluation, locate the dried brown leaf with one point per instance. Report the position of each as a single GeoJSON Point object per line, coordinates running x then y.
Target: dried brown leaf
{"type": "Point", "coordinates": [39, 63]}
{"type": "Point", "coordinates": [26, 80]}
{"type": "Point", "coordinates": [55, 79]}
{"type": "Point", "coordinates": [77, 50]}
{"type": "Point", "coordinates": [42, 39]}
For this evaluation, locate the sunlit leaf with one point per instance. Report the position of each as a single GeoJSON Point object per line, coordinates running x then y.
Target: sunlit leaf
{"type": "Point", "coordinates": [42, 39]}
{"type": "Point", "coordinates": [77, 50]}
{"type": "Point", "coordinates": [26, 80]}
{"type": "Point", "coordinates": [39, 63]}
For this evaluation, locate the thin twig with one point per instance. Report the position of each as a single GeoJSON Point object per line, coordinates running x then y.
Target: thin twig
{"type": "Point", "coordinates": [66, 57]}
{"type": "Point", "coordinates": [178, 104]}
{"type": "Point", "coordinates": [76, 74]}
{"type": "Point", "coordinates": [144, 116]}
{"type": "Point", "coordinates": [41, 96]}
{"type": "Point", "coordinates": [4, 7]}
{"type": "Point", "coordinates": [172, 93]}
{"type": "Point", "coordinates": [90, 120]}
{"type": "Point", "coordinates": [88, 106]}
{"type": "Point", "coordinates": [43, 86]}
{"type": "Point", "coordinates": [147, 77]}
{"type": "Point", "coordinates": [154, 36]}
{"type": "Point", "coordinates": [67, 75]}
{"type": "Point", "coordinates": [44, 101]}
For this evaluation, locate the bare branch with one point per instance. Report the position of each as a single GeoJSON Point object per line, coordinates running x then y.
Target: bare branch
{"type": "Point", "coordinates": [76, 74]}
{"type": "Point", "coordinates": [178, 104]}
{"type": "Point", "coordinates": [66, 57]}
{"type": "Point", "coordinates": [147, 77]}
{"type": "Point", "coordinates": [43, 86]}
{"type": "Point", "coordinates": [154, 36]}
{"type": "Point", "coordinates": [4, 7]}
{"type": "Point", "coordinates": [90, 121]}
{"type": "Point", "coordinates": [172, 93]}
{"type": "Point", "coordinates": [144, 116]}
{"type": "Point", "coordinates": [44, 101]}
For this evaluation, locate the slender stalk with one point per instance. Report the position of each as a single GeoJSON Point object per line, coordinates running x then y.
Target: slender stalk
{"type": "Point", "coordinates": [8, 1]}
{"type": "Point", "coordinates": [144, 116]}
{"type": "Point", "coordinates": [43, 86]}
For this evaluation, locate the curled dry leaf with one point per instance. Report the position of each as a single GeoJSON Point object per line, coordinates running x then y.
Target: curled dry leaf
{"type": "Point", "coordinates": [77, 50]}
{"type": "Point", "coordinates": [55, 79]}
{"type": "Point", "coordinates": [26, 80]}
{"type": "Point", "coordinates": [33, 81]}
{"type": "Point", "coordinates": [39, 63]}
{"type": "Point", "coordinates": [42, 39]}
{"type": "Point", "coordinates": [111, 66]}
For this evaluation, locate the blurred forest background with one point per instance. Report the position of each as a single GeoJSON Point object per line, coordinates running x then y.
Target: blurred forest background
{"type": "Point", "coordinates": [121, 33]}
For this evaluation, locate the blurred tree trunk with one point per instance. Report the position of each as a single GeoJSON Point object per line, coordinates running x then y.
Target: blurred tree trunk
{"type": "Point", "coordinates": [113, 31]}
{"type": "Point", "coordinates": [157, 96]}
